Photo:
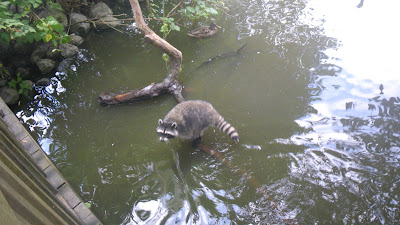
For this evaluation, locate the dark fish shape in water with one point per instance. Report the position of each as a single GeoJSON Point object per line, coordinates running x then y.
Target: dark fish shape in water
{"type": "Point", "coordinates": [204, 32]}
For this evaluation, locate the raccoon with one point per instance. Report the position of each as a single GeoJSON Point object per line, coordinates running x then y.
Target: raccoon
{"type": "Point", "coordinates": [189, 120]}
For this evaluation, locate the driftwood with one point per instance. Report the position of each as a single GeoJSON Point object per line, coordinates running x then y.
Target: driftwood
{"type": "Point", "coordinates": [170, 85]}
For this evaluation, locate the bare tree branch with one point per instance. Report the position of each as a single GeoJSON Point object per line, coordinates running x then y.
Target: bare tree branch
{"type": "Point", "coordinates": [170, 85]}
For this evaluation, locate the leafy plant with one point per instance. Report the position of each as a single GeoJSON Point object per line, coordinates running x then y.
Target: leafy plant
{"type": "Point", "coordinates": [194, 9]}
{"type": "Point", "coordinates": [25, 26]}
{"type": "Point", "coordinates": [201, 9]}
{"type": "Point", "coordinates": [165, 57]}
{"type": "Point", "coordinates": [168, 26]}
{"type": "Point", "coordinates": [21, 86]}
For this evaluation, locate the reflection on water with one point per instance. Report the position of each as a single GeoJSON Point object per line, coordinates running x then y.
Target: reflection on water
{"type": "Point", "coordinates": [352, 143]}
{"type": "Point", "coordinates": [314, 96]}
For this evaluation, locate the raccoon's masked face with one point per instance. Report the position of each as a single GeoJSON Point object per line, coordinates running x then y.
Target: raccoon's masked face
{"type": "Point", "coordinates": [166, 130]}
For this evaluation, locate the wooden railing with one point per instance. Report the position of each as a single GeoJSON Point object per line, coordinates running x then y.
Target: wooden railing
{"type": "Point", "coordinates": [32, 191]}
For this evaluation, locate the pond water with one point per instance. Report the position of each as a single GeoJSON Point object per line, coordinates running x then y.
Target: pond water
{"type": "Point", "coordinates": [314, 96]}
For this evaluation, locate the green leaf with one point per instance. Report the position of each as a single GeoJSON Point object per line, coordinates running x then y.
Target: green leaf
{"type": "Point", "coordinates": [53, 5]}
{"type": "Point", "coordinates": [175, 27]}
{"type": "Point", "coordinates": [164, 28]}
{"type": "Point", "coordinates": [154, 6]}
{"type": "Point", "coordinates": [25, 85]}
{"type": "Point", "coordinates": [12, 84]}
{"type": "Point", "coordinates": [54, 42]}
{"type": "Point", "coordinates": [165, 57]}
{"type": "Point", "coordinates": [48, 37]}
{"type": "Point", "coordinates": [4, 5]}
{"type": "Point", "coordinates": [212, 11]}
{"type": "Point", "coordinates": [190, 9]}
{"type": "Point", "coordinates": [87, 204]}
{"type": "Point", "coordinates": [58, 27]}
{"type": "Point", "coordinates": [35, 36]}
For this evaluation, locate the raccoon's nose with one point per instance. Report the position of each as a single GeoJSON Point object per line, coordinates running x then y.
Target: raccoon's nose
{"type": "Point", "coordinates": [163, 139]}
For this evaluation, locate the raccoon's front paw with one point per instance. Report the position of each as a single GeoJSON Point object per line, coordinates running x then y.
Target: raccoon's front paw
{"type": "Point", "coordinates": [196, 141]}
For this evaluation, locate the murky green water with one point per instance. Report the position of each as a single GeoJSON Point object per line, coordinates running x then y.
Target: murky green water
{"type": "Point", "coordinates": [316, 131]}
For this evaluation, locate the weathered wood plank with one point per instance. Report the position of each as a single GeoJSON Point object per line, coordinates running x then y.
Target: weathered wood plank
{"type": "Point", "coordinates": [69, 195]}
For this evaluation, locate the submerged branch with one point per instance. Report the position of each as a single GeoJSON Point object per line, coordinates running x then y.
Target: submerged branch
{"type": "Point", "coordinates": [222, 56]}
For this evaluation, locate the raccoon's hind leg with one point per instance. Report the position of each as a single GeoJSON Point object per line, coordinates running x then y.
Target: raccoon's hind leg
{"type": "Point", "coordinates": [196, 141]}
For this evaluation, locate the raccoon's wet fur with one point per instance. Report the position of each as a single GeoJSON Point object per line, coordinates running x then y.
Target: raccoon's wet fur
{"type": "Point", "coordinates": [189, 120]}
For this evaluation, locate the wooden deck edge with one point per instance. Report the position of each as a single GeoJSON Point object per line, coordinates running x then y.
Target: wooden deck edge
{"type": "Point", "coordinates": [64, 191]}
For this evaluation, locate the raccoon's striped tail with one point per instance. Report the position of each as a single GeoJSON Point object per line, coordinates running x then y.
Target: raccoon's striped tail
{"type": "Point", "coordinates": [227, 128]}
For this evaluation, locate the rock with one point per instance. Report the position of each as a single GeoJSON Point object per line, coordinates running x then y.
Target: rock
{"type": "Point", "coordinates": [22, 49]}
{"type": "Point", "coordinates": [122, 2]}
{"type": "Point", "coordinates": [68, 50]}
{"type": "Point", "coordinates": [3, 83]}
{"type": "Point", "coordinates": [60, 16]}
{"type": "Point", "coordinates": [43, 82]}
{"type": "Point", "coordinates": [107, 22]}
{"type": "Point", "coordinates": [125, 2]}
{"type": "Point", "coordinates": [77, 26]}
{"type": "Point", "coordinates": [99, 10]}
{"type": "Point", "coordinates": [40, 52]}
{"type": "Point", "coordinates": [24, 72]}
{"type": "Point", "coordinates": [65, 64]}
{"type": "Point", "coordinates": [18, 61]}
{"type": "Point", "coordinates": [104, 13]}
{"type": "Point", "coordinates": [4, 51]}
{"type": "Point", "coordinates": [9, 95]}
{"type": "Point", "coordinates": [76, 39]}
{"type": "Point", "coordinates": [53, 53]}
{"type": "Point", "coordinates": [45, 65]}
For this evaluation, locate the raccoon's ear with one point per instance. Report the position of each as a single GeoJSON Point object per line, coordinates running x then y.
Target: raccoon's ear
{"type": "Point", "coordinates": [174, 125]}
{"type": "Point", "coordinates": [160, 121]}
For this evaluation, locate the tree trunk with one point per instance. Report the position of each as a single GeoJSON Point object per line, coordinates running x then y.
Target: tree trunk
{"type": "Point", "coordinates": [170, 85]}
